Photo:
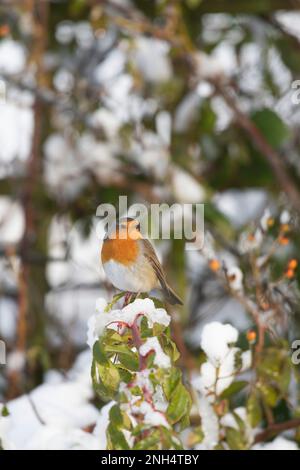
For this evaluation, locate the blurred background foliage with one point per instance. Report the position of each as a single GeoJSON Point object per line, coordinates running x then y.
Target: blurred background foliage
{"type": "Point", "coordinates": [163, 101]}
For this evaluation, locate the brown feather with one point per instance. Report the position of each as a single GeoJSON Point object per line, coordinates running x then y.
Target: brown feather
{"type": "Point", "coordinates": [150, 254]}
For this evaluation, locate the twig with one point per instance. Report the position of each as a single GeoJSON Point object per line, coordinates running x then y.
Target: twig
{"type": "Point", "coordinates": [34, 408]}
{"type": "Point", "coordinates": [276, 428]}
{"type": "Point", "coordinates": [273, 158]}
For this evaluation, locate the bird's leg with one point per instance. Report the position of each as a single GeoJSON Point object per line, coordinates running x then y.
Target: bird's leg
{"type": "Point", "coordinates": [127, 299]}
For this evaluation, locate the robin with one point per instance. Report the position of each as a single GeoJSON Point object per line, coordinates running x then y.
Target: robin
{"type": "Point", "coordinates": [130, 261]}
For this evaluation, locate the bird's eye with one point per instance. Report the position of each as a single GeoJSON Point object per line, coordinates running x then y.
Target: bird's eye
{"type": "Point", "coordinates": [138, 227]}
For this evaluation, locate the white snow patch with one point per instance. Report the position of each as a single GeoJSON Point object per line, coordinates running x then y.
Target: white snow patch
{"type": "Point", "coordinates": [152, 344]}
{"type": "Point", "coordinates": [216, 340]}
{"type": "Point", "coordinates": [186, 189]}
{"type": "Point", "coordinates": [12, 57]}
{"type": "Point", "coordinates": [127, 315]}
{"type": "Point", "coordinates": [280, 443]}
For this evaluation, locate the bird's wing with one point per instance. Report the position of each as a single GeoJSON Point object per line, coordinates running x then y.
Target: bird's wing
{"type": "Point", "coordinates": [150, 254]}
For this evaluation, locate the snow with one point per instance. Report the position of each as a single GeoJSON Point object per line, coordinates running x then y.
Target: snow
{"type": "Point", "coordinates": [279, 443]}
{"type": "Point", "coordinates": [209, 425]}
{"type": "Point", "coordinates": [235, 278]}
{"type": "Point", "coordinates": [290, 20]}
{"type": "Point", "coordinates": [95, 323]}
{"type": "Point", "coordinates": [152, 417]}
{"type": "Point", "coordinates": [54, 438]}
{"type": "Point", "coordinates": [8, 309]}
{"type": "Point", "coordinates": [60, 436]}
{"type": "Point", "coordinates": [12, 57]}
{"type": "Point", "coordinates": [216, 340]}
{"type": "Point", "coordinates": [250, 241]}
{"type": "Point", "coordinates": [241, 206]}
{"type": "Point", "coordinates": [159, 399]}
{"type": "Point", "coordinates": [264, 221]}
{"type": "Point", "coordinates": [142, 379]}
{"type": "Point", "coordinates": [102, 423]}
{"type": "Point", "coordinates": [207, 66]}
{"type": "Point", "coordinates": [285, 217]}
{"type": "Point", "coordinates": [160, 359]}
{"type": "Point", "coordinates": [98, 156]}
{"type": "Point", "coordinates": [212, 380]}
{"type": "Point", "coordinates": [58, 273]}
{"type": "Point", "coordinates": [63, 167]}
{"type": "Point", "coordinates": [151, 152]}
{"type": "Point", "coordinates": [216, 375]}
{"type": "Point", "coordinates": [84, 34]}
{"type": "Point", "coordinates": [151, 58]}
{"type": "Point", "coordinates": [205, 382]}
{"type": "Point", "coordinates": [164, 126]}
{"type": "Point", "coordinates": [63, 80]}
{"type": "Point", "coordinates": [127, 315]}
{"type": "Point", "coordinates": [70, 309]}
{"type": "Point", "coordinates": [11, 220]}
{"type": "Point", "coordinates": [219, 371]}
{"type": "Point", "coordinates": [186, 111]}
{"type": "Point", "coordinates": [107, 120]}
{"type": "Point", "coordinates": [16, 126]}
{"type": "Point", "coordinates": [15, 361]}
{"type": "Point", "coordinates": [56, 413]}
{"type": "Point", "coordinates": [185, 188]}
{"type": "Point", "coordinates": [111, 67]}
{"type": "Point", "coordinates": [64, 32]}
{"type": "Point", "coordinates": [229, 420]}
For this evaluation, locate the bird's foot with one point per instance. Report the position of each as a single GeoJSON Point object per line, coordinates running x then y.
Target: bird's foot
{"type": "Point", "coordinates": [127, 299]}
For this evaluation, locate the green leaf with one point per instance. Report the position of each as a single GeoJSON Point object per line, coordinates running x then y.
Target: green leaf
{"type": "Point", "coordinates": [169, 348]}
{"type": "Point", "coordinates": [275, 369]}
{"type": "Point", "coordinates": [233, 388]}
{"type": "Point", "coordinates": [171, 381]}
{"type": "Point", "coordinates": [106, 379]}
{"type": "Point", "coordinates": [115, 438]}
{"type": "Point", "coordinates": [151, 442]}
{"type": "Point", "coordinates": [271, 126]}
{"type": "Point", "coordinates": [114, 301]}
{"type": "Point", "coordinates": [196, 436]}
{"type": "Point", "coordinates": [179, 405]}
{"type": "Point", "coordinates": [115, 416]}
{"type": "Point", "coordinates": [289, 52]}
{"type": "Point", "coordinates": [238, 362]}
{"type": "Point", "coordinates": [208, 118]}
{"type": "Point", "coordinates": [4, 412]}
{"type": "Point", "coordinates": [125, 375]}
{"type": "Point", "coordinates": [146, 332]}
{"type": "Point", "coordinates": [169, 440]}
{"type": "Point", "coordinates": [99, 353]}
{"type": "Point", "coordinates": [128, 358]}
{"type": "Point", "coordinates": [254, 410]}
{"type": "Point", "coordinates": [270, 394]}
{"type": "Point", "coordinates": [235, 439]}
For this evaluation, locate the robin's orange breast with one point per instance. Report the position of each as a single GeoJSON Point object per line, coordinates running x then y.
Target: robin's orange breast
{"type": "Point", "coordinates": [123, 251]}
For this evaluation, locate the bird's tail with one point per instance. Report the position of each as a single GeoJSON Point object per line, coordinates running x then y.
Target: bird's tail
{"type": "Point", "coordinates": [170, 296]}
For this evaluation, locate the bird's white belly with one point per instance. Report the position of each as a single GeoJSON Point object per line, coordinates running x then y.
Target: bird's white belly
{"type": "Point", "coordinates": [138, 277]}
